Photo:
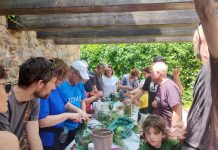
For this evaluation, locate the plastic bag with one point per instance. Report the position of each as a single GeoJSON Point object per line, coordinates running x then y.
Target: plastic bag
{"type": "Point", "coordinates": [122, 127]}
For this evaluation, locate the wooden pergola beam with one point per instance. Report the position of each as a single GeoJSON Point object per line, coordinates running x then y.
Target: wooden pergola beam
{"type": "Point", "coordinates": [145, 39]}
{"type": "Point", "coordinates": [118, 32]}
{"type": "Point", "coordinates": [41, 22]}
{"type": "Point", "coordinates": [57, 29]}
{"type": "Point", "coordinates": [89, 6]}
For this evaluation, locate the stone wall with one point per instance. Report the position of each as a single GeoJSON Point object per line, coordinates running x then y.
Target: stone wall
{"type": "Point", "coordinates": [17, 46]}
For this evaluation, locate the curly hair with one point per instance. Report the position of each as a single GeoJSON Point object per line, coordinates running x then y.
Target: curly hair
{"type": "Point", "coordinates": [35, 69]}
{"type": "Point", "coordinates": [135, 72]}
{"type": "Point", "coordinates": [61, 67]}
{"type": "Point", "coordinates": [156, 122]}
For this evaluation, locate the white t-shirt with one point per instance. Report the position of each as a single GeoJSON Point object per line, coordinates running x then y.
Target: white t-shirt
{"type": "Point", "coordinates": [109, 85]}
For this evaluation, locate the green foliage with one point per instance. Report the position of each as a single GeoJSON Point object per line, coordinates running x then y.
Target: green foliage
{"type": "Point", "coordinates": [11, 18]}
{"type": "Point", "coordinates": [14, 22]}
{"type": "Point", "coordinates": [123, 57]}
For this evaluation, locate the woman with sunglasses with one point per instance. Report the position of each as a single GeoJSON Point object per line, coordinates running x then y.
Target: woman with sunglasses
{"type": "Point", "coordinates": [8, 141]}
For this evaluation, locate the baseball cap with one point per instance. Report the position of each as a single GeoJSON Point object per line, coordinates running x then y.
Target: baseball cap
{"type": "Point", "coordinates": [158, 58]}
{"type": "Point", "coordinates": [82, 67]}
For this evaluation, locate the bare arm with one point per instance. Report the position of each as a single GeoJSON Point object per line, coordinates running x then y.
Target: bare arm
{"type": "Point", "coordinates": [136, 102]}
{"type": "Point", "coordinates": [70, 106]}
{"type": "Point", "coordinates": [93, 98]}
{"type": "Point", "coordinates": [207, 14]}
{"type": "Point", "coordinates": [176, 79]}
{"type": "Point", "coordinates": [52, 120]}
{"type": "Point", "coordinates": [135, 91]}
{"type": "Point", "coordinates": [126, 87]}
{"type": "Point", "coordinates": [136, 96]}
{"type": "Point", "coordinates": [8, 141]}
{"type": "Point", "coordinates": [132, 93]}
{"type": "Point", "coordinates": [32, 131]}
{"type": "Point", "coordinates": [83, 105]}
{"type": "Point", "coordinates": [177, 113]}
{"type": "Point", "coordinates": [90, 99]}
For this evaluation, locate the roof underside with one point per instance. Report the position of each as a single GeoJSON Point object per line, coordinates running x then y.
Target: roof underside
{"type": "Point", "coordinates": [104, 21]}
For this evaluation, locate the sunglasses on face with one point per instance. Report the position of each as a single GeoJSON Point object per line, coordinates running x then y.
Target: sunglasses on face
{"type": "Point", "coordinates": [7, 87]}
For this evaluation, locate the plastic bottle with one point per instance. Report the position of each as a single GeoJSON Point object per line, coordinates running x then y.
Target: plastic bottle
{"type": "Point", "coordinates": [91, 146]}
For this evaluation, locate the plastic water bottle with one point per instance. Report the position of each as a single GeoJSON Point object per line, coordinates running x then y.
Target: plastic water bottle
{"type": "Point", "coordinates": [91, 146]}
{"type": "Point", "coordinates": [63, 136]}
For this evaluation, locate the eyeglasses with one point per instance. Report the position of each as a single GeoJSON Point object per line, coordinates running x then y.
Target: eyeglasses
{"type": "Point", "coordinates": [7, 87]}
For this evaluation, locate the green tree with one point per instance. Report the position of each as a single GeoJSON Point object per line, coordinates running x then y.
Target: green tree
{"type": "Point", "coordinates": [124, 57]}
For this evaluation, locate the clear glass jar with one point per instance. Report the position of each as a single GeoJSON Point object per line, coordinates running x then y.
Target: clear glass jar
{"type": "Point", "coordinates": [128, 109]}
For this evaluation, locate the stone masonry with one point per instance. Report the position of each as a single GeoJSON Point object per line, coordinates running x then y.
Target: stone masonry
{"type": "Point", "coordinates": [17, 46]}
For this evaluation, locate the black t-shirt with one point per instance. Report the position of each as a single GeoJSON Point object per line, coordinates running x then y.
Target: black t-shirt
{"type": "Point", "coordinates": [88, 86]}
{"type": "Point", "coordinates": [151, 88]}
{"type": "Point", "coordinates": [97, 81]}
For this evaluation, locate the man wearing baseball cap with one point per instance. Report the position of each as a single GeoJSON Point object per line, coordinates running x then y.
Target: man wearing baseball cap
{"type": "Point", "coordinates": [159, 58]}
{"type": "Point", "coordinates": [82, 67]}
{"type": "Point", "coordinates": [74, 91]}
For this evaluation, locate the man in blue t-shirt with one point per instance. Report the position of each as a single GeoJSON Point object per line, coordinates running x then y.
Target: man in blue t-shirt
{"type": "Point", "coordinates": [74, 94]}
{"type": "Point", "coordinates": [73, 91]}
{"type": "Point", "coordinates": [52, 112]}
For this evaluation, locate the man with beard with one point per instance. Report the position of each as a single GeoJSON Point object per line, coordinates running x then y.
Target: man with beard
{"type": "Point", "coordinates": [36, 79]}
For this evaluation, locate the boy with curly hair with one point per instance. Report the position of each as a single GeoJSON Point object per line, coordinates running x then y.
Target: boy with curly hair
{"type": "Point", "coordinates": [155, 135]}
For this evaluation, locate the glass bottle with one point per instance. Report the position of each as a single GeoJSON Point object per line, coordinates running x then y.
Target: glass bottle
{"type": "Point", "coordinates": [128, 109]}
{"type": "Point", "coordinates": [83, 136]}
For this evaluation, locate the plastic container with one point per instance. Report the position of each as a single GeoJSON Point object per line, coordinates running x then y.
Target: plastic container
{"type": "Point", "coordinates": [102, 139]}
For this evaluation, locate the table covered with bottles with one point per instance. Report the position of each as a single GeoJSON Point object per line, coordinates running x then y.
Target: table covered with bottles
{"type": "Point", "coordinates": [115, 116]}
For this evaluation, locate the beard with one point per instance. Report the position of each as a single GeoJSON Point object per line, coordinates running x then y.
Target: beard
{"type": "Point", "coordinates": [40, 95]}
